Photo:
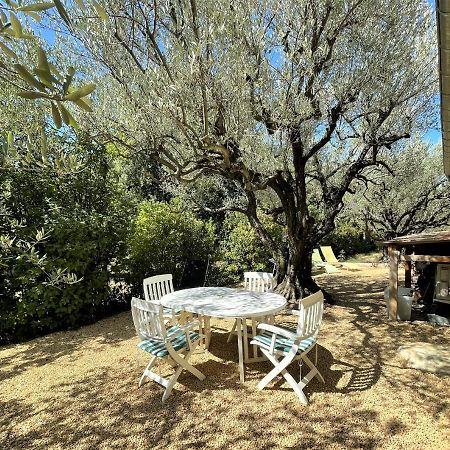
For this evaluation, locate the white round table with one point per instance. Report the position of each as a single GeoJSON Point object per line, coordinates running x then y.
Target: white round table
{"type": "Point", "coordinates": [223, 302]}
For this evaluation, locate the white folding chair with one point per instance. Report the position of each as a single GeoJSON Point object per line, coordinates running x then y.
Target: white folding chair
{"type": "Point", "coordinates": [164, 343]}
{"type": "Point", "coordinates": [157, 286]}
{"type": "Point", "coordinates": [256, 282]}
{"type": "Point", "coordinates": [282, 346]}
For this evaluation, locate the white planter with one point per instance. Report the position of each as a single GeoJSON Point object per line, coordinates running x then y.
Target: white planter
{"type": "Point", "coordinates": [404, 304]}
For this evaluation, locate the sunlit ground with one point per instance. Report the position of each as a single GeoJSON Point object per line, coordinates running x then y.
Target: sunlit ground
{"type": "Point", "coordinates": [78, 389]}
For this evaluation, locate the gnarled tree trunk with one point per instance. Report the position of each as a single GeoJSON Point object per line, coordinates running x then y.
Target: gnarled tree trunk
{"type": "Point", "coordinates": [295, 279]}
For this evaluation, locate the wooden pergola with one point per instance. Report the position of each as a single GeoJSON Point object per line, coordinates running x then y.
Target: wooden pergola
{"type": "Point", "coordinates": [427, 247]}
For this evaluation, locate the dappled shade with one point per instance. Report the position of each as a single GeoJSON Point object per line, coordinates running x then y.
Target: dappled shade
{"type": "Point", "coordinates": [78, 389]}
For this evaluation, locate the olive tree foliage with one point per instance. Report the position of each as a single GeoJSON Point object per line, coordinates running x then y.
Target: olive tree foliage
{"type": "Point", "coordinates": [296, 98]}
{"type": "Point", "coordinates": [415, 197]}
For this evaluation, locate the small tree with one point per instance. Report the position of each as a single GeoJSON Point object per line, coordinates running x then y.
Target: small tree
{"type": "Point", "coordinates": [415, 198]}
{"type": "Point", "coordinates": [296, 97]}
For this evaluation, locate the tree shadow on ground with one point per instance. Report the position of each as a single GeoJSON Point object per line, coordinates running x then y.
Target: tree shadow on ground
{"type": "Point", "coordinates": [49, 348]}
{"type": "Point", "coordinates": [78, 390]}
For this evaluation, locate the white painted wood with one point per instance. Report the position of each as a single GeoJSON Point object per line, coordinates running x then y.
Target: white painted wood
{"type": "Point", "coordinates": [309, 314]}
{"type": "Point", "coordinates": [258, 281]}
{"type": "Point", "coordinates": [240, 350]}
{"type": "Point", "coordinates": [157, 286]}
{"type": "Point", "coordinates": [255, 282]}
{"type": "Point", "coordinates": [149, 322]}
{"type": "Point", "coordinates": [227, 303]}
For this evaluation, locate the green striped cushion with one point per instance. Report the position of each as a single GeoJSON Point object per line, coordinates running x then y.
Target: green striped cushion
{"type": "Point", "coordinates": [284, 344]}
{"type": "Point", "coordinates": [159, 349]}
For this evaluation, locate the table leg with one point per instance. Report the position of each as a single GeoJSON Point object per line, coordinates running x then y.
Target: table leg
{"type": "Point", "coordinates": [245, 339]}
{"type": "Point", "coordinates": [255, 348]}
{"type": "Point", "coordinates": [241, 356]}
{"type": "Point", "coordinates": [207, 331]}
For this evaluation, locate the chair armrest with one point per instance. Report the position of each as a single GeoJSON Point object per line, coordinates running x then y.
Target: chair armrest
{"type": "Point", "coordinates": [184, 329]}
{"type": "Point", "coordinates": [277, 330]}
{"type": "Point", "coordinates": [189, 325]}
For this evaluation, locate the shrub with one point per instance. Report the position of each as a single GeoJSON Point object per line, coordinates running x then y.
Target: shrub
{"type": "Point", "coordinates": [240, 249]}
{"type": "Point", "coordinates": [164, 238]}
{"type": "Point", "coordinates": [85, 218]}
{"type": "Point", "coordinates": [349, 239]}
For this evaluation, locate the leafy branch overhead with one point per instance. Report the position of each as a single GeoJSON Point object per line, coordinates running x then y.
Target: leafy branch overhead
{"type": "Point", "coordinates": [44, 81]}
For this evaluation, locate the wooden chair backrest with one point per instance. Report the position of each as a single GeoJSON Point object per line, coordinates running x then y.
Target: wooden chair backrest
{"type": "Point", "coordinates": [310, 315]}
{"type": "Point", "coordinates": [157, 286]}
{"type": "Point", "coordinates": [258, 281]}
{"type": "Point", "coordinates": [148, 319]}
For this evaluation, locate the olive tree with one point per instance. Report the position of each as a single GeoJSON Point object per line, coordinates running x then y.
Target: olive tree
{"type": "Point", "coordinates": [415, 197]}
{"type": "Point", "coordinates": [297, 99]}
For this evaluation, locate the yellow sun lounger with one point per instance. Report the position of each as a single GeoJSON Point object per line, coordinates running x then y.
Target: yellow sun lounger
{"type": "Point", "coordinates": [330, 258]}
{"type": "Point", "coordinates": [320, 263]}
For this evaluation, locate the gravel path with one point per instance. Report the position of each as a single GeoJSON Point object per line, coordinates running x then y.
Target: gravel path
{"type": "Point", "coordinates": [78, 389]}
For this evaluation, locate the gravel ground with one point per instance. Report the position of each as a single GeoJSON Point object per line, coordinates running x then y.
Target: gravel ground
{"type": "Point", "coordinates": [78, 389]}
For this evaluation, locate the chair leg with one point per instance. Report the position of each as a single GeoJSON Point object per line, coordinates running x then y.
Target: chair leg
{"type": "Point", "coordinates": [279, 366]}
{"type": "Point", "coordinates": [233, 331]}
{"type": "Point", "coordinates": [184, 362]}
{"type": "Point", "coordinates": [172, 381]}
{"type": "Point", "coordinates": [314, 371]}
{"type": "Point", "coordinates": [295, 386]}
{"type": "Point", "coordinates": [147, 369]}
{"type": "Point", "coordinates": [279, 369]}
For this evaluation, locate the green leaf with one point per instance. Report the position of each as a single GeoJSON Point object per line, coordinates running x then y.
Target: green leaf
{"type": "Point", "coordinates": [43, 146]}
{"type": "Point", "coordinates": [8, 51]}
{"type": "Point", "coordinates": [25, 75]}
{"type": "Point", "coordinates": [79, 93]}
{"type": "Point", "coordinates": [56, 116]}
{"type": "Point", "coordinates": [46, 78]}
{"type": "Point", "coordinates": [16, 25]}
{"type": "Point", "coordinates": [32, 94]}
{"type": "Point", "coordinates": [80, 3]}
{"type": "Point", "coordinates": [68, 79]}
{"type": "Point", "coordinates": [36, 7]}
{"type": "Point", "coordinates": [55, 71]}
{"type": "Point", "coordinates": [12, 4]}
{"type": "Point", "coordinates": [28, 36]}
{"type": "Point", "coordinates": [10, 139]}
{"type": "Point", "coordinates": [63, 13]}
{"type": "Point", "coordinates": [36, 17]}
{"type": "Point", "coordinates": [28, 143]}
{"type": "Point", "coordinates": [42, 60]}
{"type": "Point", "coordinates": [83, 105]}
{"type": "Point", "coordinates": [100, 10]}
{"type": "Point", "coordinates": [66, 116]}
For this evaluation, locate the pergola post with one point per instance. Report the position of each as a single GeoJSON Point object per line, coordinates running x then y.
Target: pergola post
{"type": "Point", "coordinates": [408, 280]}
{"type": "Point", "coordinates": [393, 281]}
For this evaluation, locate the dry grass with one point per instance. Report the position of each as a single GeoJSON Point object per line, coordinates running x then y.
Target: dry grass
{"type": "Point", "coordinates": [78, 389]}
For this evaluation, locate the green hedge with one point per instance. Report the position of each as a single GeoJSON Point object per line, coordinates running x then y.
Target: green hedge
{"type": "Point", "coordinates": [85, 218]}
{"type": "Point", "coordinates": [164, 238]}
{"type": "Point", "coordinates": [349, 239]}
{"type": "Point", "coordinates": [240, 249]}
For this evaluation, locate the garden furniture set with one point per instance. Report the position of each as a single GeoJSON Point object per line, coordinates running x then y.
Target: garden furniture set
{"type": "Point", "coordinates": [171, 324]}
